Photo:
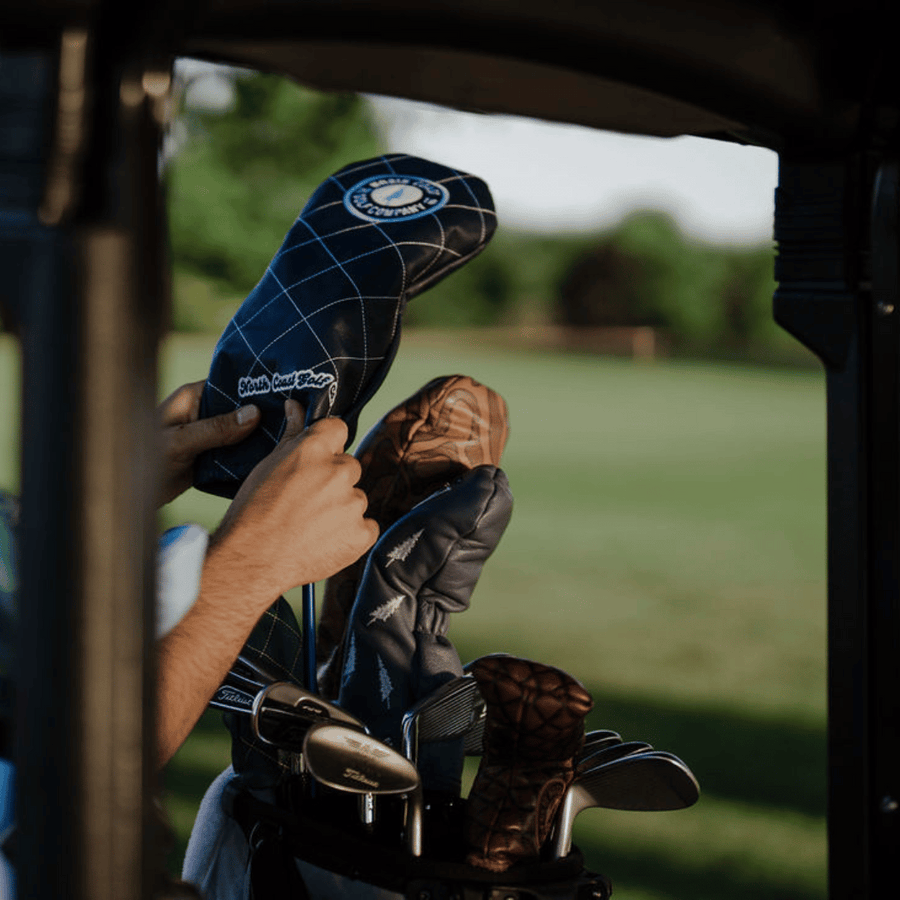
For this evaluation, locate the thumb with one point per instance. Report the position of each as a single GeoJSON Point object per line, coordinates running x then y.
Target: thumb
{"type": "Point", "coordinates": [295, 417]}
{"type": "Point", "coordinates": [218, 431]}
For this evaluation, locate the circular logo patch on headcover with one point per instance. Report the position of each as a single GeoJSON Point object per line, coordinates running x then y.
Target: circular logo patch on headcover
{"type": "Point", "coordinates": [395, 198]}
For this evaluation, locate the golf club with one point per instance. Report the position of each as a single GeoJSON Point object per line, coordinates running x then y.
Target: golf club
{"type": "Point", "coordinates": [277, 723]}
{"type": "Point", "coordinates": [304, 709]}
{"type": "Point", "coordinates": [449, 712]}
{"type": "Point", "coordinates": [308, 612]}
{"type": "Point", "coordinates": [237, 679]}
{"type": "Point", "coordinates": [598, 735]}
{"type": "Point", "coordinates": [588, 748]}
{"type": "Point", "coordinates": [644, 781]}
{"type": "Point", "coordinates": [259, 668]}
{"type": "Point", "coordinates": [473, 741]}
{"type": "Point", "coordinates": [342, 758]}
{"type": "Point", "coordinates": [607, 753]}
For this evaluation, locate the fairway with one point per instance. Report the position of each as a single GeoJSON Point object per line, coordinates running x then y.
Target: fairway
{"type": "Point", "coordinates": [667, 548]}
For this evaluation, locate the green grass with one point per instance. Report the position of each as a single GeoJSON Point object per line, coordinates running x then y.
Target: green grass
{"type": "Point", "coordinates": [668, 548]}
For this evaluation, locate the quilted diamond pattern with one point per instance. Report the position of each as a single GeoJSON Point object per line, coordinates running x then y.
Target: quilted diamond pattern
{"type": "Point", "coordinates": [534, 730]}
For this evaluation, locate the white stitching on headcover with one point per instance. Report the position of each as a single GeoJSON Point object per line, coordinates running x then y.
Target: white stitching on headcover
{"type": "Point", "coordinates": [362, 309]}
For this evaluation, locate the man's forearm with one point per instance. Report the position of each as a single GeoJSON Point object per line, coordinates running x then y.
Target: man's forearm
{"type": "Point", "coordinates": [195, 655]}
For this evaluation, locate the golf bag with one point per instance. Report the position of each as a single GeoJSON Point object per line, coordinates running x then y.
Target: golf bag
{"type": "Point", "coordinates": [314, 856]}
{"type": "Point", "coordinates": [251, 844]}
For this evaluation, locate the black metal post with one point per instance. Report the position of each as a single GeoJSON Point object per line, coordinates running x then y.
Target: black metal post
{"type": "Point", "coordinates": [836, 224]}
{"type": "Point", "coordinates": [90, 303]}
{"type": "Point", "coordinates": [37, 267]}
{"type": "Point", "coordinates": [883, 797]}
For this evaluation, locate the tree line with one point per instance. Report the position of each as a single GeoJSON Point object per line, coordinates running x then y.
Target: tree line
{"type": "Point", "coordinates": [241, 175]}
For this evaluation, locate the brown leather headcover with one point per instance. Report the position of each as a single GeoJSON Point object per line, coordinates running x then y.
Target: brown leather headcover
{"type": "Point", "coordinates": [534, 730]}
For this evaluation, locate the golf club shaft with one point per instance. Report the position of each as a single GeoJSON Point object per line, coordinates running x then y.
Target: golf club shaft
{"type": "Point", "coordinates": [565, 820]}
{"type": "Point", "coordinates": [310, 682]}
{"type": "Point", "coordinates": [259, 668]}
{"type": "Point", "coordinates": [415, 806]}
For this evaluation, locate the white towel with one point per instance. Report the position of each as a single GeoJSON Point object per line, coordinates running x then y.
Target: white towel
{"type": "Point", "coordinates": [217, 854]}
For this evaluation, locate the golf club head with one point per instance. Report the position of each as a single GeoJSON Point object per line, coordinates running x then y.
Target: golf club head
{"type": "Point", "coordinates": [607, 752]}
{"type": "Point", "coordinates": [598, 736]}
{"type": "Point", "coordinates": [347, 760]}
{"type": "Point", "coordinates": [473, 740]}
{"type": "Point", "coordinates": [449, 712]}
{"type": "Point", "coordinates": [598, 743]}
{"type": "Point", "coordinates": [238, 679]}
{"type": "Point", "coordinates": [650, 781]}
{"type": "Point", "coordinates": [283, 712]}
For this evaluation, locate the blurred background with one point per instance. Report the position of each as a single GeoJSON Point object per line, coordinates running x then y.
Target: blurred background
{"type": "Point", "coordinates": [666, 451]}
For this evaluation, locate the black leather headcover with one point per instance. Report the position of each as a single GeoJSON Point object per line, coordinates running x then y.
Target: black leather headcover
{"type": "Point", "coordinates": [323, 324]}
{"type": "Point", "coordinates": [422, 568]}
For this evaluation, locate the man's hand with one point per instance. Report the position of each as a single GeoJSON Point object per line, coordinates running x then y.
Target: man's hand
{"type": "Point", "coordinates": [298, 517]}
{"type": "Point", "coordinates": [184, 435]}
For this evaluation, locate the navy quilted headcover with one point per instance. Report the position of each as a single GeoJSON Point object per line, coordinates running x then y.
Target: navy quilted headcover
{"type": "Point", "coordinates": [323, 324]}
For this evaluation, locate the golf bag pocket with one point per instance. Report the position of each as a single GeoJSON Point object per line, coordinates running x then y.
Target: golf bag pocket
{"type": "Point", "coordinates": [322, 326]}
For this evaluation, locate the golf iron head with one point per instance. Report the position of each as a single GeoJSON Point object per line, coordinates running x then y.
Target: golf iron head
{"type": "Point", "coordinates": [239, 679]}
{"type": "Point", "coordinates": [347, 760]}
{"type": "Point", "coordinates": [283, 712]}
{"type": "Point", "coordinates": [654, 780]}
{"type": "Point", "coordinates": [451, 711]}
{"type": "Point", "coordinates": [280, 713]}
{"type": "Point", "coordinates": [599, 737]}
{"type": "Point", "coordinates": [607, 752]}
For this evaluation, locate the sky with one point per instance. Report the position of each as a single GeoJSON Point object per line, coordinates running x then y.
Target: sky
{"type": "Point", "coordinates": [548, 177]}
{"type": "Point", "coordinates": [552, 177]}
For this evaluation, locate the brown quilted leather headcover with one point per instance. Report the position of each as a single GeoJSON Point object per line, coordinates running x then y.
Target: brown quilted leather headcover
{"type": "Point", "coordinates": [534, 730]}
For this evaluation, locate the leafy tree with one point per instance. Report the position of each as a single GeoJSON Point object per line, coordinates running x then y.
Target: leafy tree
{"type": "Point", "coordinates": [645, 272]}
{"type": "Point", "coordinates": [241, 178]}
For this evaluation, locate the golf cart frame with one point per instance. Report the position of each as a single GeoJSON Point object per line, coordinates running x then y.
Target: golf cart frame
{"type": "Point", "coordinates": [83, 102]}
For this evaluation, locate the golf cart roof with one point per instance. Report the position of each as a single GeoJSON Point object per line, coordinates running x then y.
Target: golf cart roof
{"type": "Point", "coordinates": [791, 73]}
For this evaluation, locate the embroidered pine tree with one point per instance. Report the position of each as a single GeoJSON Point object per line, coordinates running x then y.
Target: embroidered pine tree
{"type": "Point", "coordinates": [386, 610]}
{"type": "Point", "coordinates": [404, 548]}
{"type": "Point", "coordinates": [384, 682]}
{"type": "Point", "coordinates": [350, 664]}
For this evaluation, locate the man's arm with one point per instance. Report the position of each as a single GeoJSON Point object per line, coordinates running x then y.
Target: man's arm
{"type": "Point", "coordinates": [297, 519]}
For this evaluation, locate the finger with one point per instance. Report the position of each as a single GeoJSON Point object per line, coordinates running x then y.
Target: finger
{"type": "Point", "coordinates": [294, 415]}
{"type": "Point", "coordinates": [351, 468]}
{"type": "Point", "coordinates": [331, 432]}
{"type": "Point", "coordinates": [371, 533]}
{"type": "Point", "coordinates": [182, 405]}
{"type": "Point", "coordinates": [217, 431]}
